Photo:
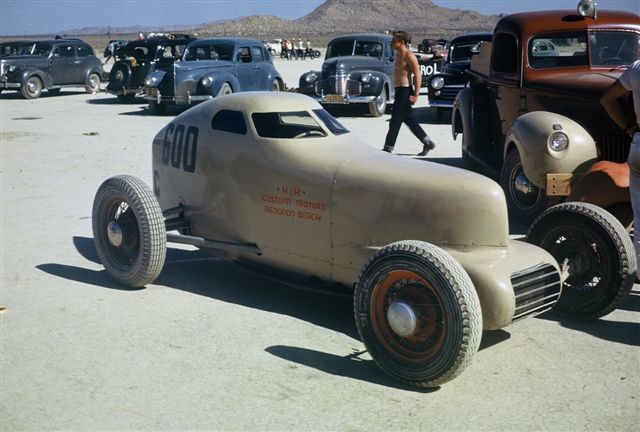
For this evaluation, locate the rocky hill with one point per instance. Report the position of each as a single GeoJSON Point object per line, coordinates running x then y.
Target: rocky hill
{"type": "Point", "coordinates": [421, 18]}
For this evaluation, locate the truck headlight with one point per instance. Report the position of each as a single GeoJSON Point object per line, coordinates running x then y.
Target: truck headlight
{"type": "Point", "coordinates": [366, 78]}
{"type": "Point", "coordinates": [558, 141]}
{"type": "Point", "coordinates": [437, 83]}
{"type": "Point", "coordinates": [206, 81]}
{"type": "Point", "coordinates": [310, 77]}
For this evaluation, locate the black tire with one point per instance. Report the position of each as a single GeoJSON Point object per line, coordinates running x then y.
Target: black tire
{"type": "Point", "coordinates": [424, 285]}
{"type": "Point", "coordinates": [225, 90]}
{"type": "Point", "coordinates": [127, 98]}
{"type": "Point", "coordinates": [437, 114]}
{"type": "Point", "coordinates": [129, 231]}
{"type": "Point", "coordinates": [378, 106]}
{"type": "Point", "coordinates": [93, 83]}
{"type": "Point", "coordinates": [157, 108]}
{"type": "Point", "coordinates": [524, 199]}
{"type": "Point", "coordinates": [119, 77]}
{"type": "Point", "coordinates": [32, 88]}
{"type": "Point", "coordinates": [597, 252]}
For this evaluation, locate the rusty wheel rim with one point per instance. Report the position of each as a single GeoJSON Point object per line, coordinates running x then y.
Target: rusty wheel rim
{"type": "Point", "coordinates": [412, 295]}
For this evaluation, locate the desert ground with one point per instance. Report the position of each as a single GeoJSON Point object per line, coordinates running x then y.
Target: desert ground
{"type": "Point", "coordinates": [210, 347]}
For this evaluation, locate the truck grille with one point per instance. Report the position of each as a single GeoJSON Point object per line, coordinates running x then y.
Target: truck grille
{"type": "Point", "coordinates": [537, 289]}
{"type": "Point", "coordinates": [339, 85]}
{"type": "Point", "coordinates": [614, 148]}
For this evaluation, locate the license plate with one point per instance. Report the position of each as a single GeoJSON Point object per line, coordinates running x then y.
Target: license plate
{"type": "Point", "coordinates": [151, 91]}
{"type": "Point", "coordinates": [334, 98]}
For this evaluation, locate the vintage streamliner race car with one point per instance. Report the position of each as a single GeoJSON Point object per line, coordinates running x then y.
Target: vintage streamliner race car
{"type": "Point", "coordinates": [274, 182]}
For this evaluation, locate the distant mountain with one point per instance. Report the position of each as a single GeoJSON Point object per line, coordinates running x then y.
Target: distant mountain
{"type": "Point", "coordinates": [421, 18]}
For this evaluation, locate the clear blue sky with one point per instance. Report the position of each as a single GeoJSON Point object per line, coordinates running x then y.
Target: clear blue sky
{"type": "Point", "coordinates": [20, 17]}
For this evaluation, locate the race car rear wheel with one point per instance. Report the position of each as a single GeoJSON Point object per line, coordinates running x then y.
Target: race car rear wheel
{"type": "Point", "coordinates": [32, 88]}
{"type": "Point", "coordinates": [418, 313]}
{"type": "Point", "coordinates": [129, 231]}
{"type": "Point", "coordinates": [595, 249]}
{"type": "Point", "coordinates": [93, 83]}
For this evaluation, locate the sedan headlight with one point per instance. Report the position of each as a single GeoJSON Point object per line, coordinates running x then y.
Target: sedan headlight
{"type": "Point", "coordinates": [366, 78]}
{"type": "Point", "coordinates": [310, 77]}
{"type": "Point", "coordinates": [558, 141]}
{"type": "Point", "coordinates": [148, 82]}
{"type": "Point", "coordinates": [437, 82]}
{"type": "Point", "coordinates": [206, 81]}
{"type": "Point", "coordinates": [12, 68]}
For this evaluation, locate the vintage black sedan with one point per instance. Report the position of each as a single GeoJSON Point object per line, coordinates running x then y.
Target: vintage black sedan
{"type": "Point", "coordinates": [51, 65]}
{"type": "Point", "coordinates": [210, 68]}
{"type": "Point", "coordinates": [358, 69]}
{"type": "Point", "coordinates": [444, 87]}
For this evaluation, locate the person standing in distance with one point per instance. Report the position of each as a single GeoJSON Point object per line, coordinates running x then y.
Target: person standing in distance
{"type": "Point", "coordinates": [628, 82]}
{"type": "Point", "coordinates": [406, 65]}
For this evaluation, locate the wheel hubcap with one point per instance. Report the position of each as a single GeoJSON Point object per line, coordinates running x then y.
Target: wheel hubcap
{"type": "Point", "coordinates": [114, 233]}
{"type": "Point", "coordinates": [31, 86]}
{"type": "Point", "coordinates": [402, 319]}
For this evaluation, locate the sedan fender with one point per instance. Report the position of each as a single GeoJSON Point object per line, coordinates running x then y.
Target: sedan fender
{"type": "Point", "coordinates": [25, 74]}
{"type": "Point", "coordinates": [550, 143]}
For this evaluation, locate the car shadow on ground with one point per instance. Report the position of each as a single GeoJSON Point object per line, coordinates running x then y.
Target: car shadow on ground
{"type": "Point", "coordinates": [113, 100]}
{"type": "Point", "coordinates": [627, 333]}
{"type": "Point", "coordinates": [16, 95]}
{"type": "Point", "coordinates": [199, 273]}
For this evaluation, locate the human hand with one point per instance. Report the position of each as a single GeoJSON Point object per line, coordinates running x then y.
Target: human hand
{"type": "Point", "coordinates": [413, 99]}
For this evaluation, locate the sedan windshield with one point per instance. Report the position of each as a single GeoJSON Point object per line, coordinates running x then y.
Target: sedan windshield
{"type": "Point", "coordinates": [209, 52]}
{"type": "Point", "coordinates": [354, 48]}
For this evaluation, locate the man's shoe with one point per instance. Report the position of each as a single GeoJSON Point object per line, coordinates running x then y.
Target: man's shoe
{"type": "Point", "coordinates": [387, 149]}
{"type": "Point", "coordinates": [427, 147]}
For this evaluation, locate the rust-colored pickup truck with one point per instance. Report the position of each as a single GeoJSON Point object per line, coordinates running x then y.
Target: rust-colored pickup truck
{"type": "Point", "coordinates": [532, 116]}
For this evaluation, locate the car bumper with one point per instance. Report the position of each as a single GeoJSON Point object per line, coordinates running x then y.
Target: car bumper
{"type": "Point", "coordinates": [342, 100]}
{"type": "Point", "coordinates": [153, 95]}
{"type": "Point", "coordinates": [4, 85]}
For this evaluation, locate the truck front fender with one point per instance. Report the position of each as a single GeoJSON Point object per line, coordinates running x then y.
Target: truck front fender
{"type": "Point", "coordinates": [461, 116]}
{"type": "Point", "coordinates": [532, 134]}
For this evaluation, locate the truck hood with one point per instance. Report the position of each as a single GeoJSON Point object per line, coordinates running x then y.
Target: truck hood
{"type": "Point", "coordinates": [381, 198]}
{"type": "Point", "coordinates": [588, 85]}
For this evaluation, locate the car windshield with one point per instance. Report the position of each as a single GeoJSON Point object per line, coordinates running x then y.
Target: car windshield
{"type": "Point", "coordinates": [566, 49]}
{"type": "Point", "coordinates": [331, 122]}
{"type": "Point", "coordinates": [209, 52]}
{"type": "Point", "coordinates": [292, 125]}
{"type": "Point", "coordinates": [38, 48]}
{"type": "Point", "coordinates": [462, 51]}
{"type": "Point", "coordinates": [354, 48]}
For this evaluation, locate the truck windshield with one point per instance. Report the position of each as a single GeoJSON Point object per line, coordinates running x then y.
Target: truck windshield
{"type": "Point", "coordinates": [613, 48]}
{"type": "Point", "coordinates": [566, 49]}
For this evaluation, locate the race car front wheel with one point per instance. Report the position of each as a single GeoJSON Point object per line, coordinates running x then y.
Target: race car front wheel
{"type": "Point", "coordinates": [596, 252]}
{"type": "Point", "coordinates": [418, 313]}
{"type": "Point", "coordinates": [129, 231]}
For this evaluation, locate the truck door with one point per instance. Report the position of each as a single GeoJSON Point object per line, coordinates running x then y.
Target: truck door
{"type": "Point", "coordinates": [505, 85]}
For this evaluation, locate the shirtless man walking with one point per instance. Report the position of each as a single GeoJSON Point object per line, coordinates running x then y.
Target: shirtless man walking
{"type": "Point", "coordinates": [406, 65]}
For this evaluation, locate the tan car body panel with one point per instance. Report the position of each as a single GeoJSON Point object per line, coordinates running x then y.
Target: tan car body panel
{"type": "Point", "coordinates": [322, 206]}
{"type": "Point", "coordinates": [529, 134]}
